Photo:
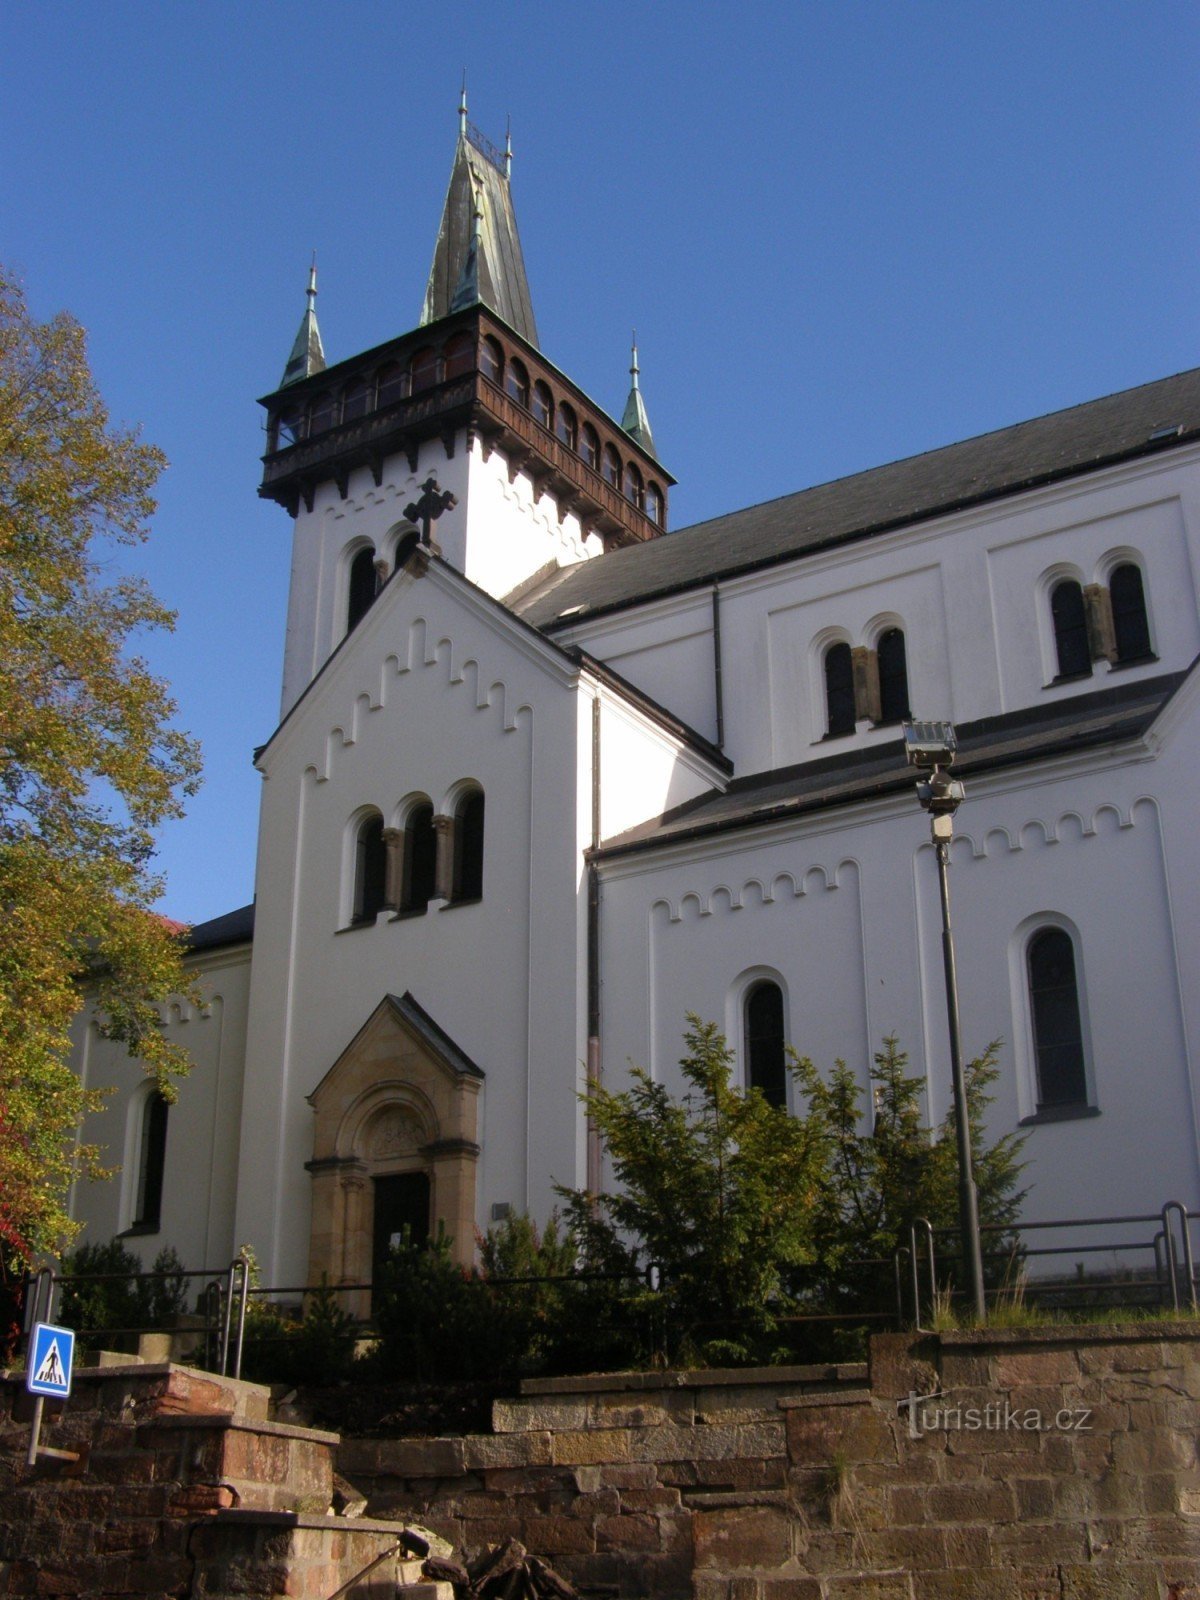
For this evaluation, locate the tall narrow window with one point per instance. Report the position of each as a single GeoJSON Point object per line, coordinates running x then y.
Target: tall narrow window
{"type": "Point", "coordinates": [1070, 630]}
{"type": "Point", "coordinates": [426, 369]}
{"type": "Point", "coordinates": [356, 401]}
{"type": "Point", "coordinates": [893, 676]}
{"type": "Point", "coordinates": [589, 446]}
{"type": "Point", "coordinates": [361, 588]}
{"type": "Point", "coordinates": [323, 414]}
{"type": "Point", "coordinates": [1057, 1030]}
{"type": "Point", "coordinates": [420, 858]}
{"type": "Point", "coordinates": [611, 468]}
{"type": "Point", "coordinates": [370, 870]}
{"type": "Point", "coordinates": [765, 1067]}
{"type": "Point", "coordinates": [517, 383]}
{"type": "Point", "coordinates": [152, 1161]}
{"type": "Point", "coordinates": [1131, 630]}
{"type": "Point", "coordinates": [566, 426]}
{"type": "Point", "coordinates": [543, 405]}
{"type": "Point", "coordinates": [393, 384]}
{"type": "Point", "coordinates": [459, 355]}
{"type": "Point", "coordinates": [654, 503]}
{"type": "Point", "coordinates": [468, 847]}
{"type": "Point", "coordinates": [635, 489]}
{"type": "Point", "coordinates": [839, 690]}
{"type": "Point", "coordinates": [289, 426]}
{"type": "Point", "coordinates": [491, 360]}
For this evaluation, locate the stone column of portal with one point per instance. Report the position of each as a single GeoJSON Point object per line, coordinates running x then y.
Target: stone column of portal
{"type": "Point", "coordinates": [443, 877]}
{"type": "Point", "coordinates": [393, 876]}
{"type": "Point", "coordinates": [356, 1241]}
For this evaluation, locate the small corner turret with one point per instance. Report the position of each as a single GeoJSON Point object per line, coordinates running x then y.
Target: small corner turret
{"type": "Point", "coordinates": [635, 421]}
{"type": "Point", "coordinates": [308, 355]}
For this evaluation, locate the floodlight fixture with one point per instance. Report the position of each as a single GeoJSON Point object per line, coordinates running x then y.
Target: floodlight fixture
{"type": "Point", "coordinates": [929, 744]}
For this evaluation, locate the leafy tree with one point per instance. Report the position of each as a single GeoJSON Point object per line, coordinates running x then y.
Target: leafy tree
{"type": "Point", "coordinates": [884, 1176]}
{"type": "Point", "coordinates": [90, 765]}
{"type": "Point", "coordinates": [719, 1189]}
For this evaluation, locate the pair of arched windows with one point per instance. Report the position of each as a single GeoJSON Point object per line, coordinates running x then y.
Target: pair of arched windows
{"type": "Point", "coordinates": [429, 858]}
{"type": "Point", "coordinates": [1099, 623]}
{"type": "Point", "coordinates": [877, 692]}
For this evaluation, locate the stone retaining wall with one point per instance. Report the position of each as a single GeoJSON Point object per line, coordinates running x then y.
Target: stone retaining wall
{"type": "Point", "coordinates": [817, 1485]}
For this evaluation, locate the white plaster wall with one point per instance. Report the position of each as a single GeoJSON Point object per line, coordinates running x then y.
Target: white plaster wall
{"type": "Point", "coordinates": [203, 1126]}
{"type": "Point", "coordinates": [644, 770]}
{"type": "Point", "coordinates": [846, 913]}
{"type": "Point", "coordinates": [511, 531]}
{"type": "Point", "coordinates": [432, 692]}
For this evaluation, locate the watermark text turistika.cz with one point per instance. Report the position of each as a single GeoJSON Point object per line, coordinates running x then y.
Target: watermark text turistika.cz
{"type": "Point", "coordinates": [935, 1413]}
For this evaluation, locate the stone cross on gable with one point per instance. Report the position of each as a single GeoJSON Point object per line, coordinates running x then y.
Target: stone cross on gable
{"type": "Point", "coordinates": [425, 511]}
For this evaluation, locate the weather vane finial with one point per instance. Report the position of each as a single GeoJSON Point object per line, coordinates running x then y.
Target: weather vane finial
{"type": "Point", "coordinates": [462, 107]}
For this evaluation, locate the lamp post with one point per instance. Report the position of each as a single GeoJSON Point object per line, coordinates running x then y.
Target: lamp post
{"type": "Point", "coordinates": [930, 747]}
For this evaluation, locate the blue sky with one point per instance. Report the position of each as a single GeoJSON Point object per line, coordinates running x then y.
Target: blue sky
{"type": "Point", "coordinates": [845, 233]}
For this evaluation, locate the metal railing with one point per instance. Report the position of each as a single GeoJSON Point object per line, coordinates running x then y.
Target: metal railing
{"type": "Point", "coordinates": [1167, 1279]}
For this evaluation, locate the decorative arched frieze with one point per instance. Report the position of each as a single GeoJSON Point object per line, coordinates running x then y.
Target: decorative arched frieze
{"type": "Point", "coordinates": [732, 897]}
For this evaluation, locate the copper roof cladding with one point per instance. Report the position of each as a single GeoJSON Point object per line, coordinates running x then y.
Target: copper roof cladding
{"type": "Point", "coordinates": [470, 400]}
{"type": "Point", "coordinates": [1135, 422]}
{"type": "Point", "coordinates": [477, 178]}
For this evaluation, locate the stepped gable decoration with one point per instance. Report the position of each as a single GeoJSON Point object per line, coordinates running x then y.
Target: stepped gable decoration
{"type": "Point", "coordinates": [479, 221]}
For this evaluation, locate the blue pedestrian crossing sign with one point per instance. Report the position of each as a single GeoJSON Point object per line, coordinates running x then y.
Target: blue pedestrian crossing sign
{"type": "Point", "coordinates": [51, 1353]}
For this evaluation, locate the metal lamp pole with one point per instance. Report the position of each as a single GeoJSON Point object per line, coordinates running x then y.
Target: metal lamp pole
{"type": "Point", "coordinates": [931, 746]}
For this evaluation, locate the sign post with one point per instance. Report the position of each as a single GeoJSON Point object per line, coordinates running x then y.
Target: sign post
{"type": "Point", "coordinates": [48, 1372]}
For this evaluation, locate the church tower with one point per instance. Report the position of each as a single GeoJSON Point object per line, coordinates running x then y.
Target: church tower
{"type": "Point", "coordinates": [539, 476]}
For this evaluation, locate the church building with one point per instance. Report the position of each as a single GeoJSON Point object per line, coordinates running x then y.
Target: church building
{"type": "Point", "coordinates": [550, 774]}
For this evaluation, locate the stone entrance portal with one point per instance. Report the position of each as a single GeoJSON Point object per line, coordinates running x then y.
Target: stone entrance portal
{"type": "Point", "coordinates": [394, 1145]}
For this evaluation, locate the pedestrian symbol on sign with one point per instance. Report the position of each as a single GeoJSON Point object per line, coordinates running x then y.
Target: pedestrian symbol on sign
{"type": "Point", "coordinates": [51, 1352]}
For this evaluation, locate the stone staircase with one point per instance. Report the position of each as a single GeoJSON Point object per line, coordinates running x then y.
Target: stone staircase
{"type": "Point", "coordinates": [184, 1489]}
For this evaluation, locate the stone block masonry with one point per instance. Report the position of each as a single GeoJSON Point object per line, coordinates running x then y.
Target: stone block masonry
{"type": "Point", "coordinates": [1033, 1464]}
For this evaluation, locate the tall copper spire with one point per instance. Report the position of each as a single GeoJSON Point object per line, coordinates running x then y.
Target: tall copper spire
{"type": "Point", "coordinates": [634, 420]}
{"type": "Point", "coordinates": [478, 218]}
{"type": "Point", "coordinates": [307, 355]}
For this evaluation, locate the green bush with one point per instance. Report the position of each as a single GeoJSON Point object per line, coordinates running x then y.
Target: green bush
{"type": "Point", "coordinates": [129, 1300]}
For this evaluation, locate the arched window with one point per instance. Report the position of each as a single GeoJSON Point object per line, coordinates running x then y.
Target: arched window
{"type": "Point", "coordinates": [893, 676]}
{"type": "Point", "coordinates": [517, 383]}
{"type": "Point", "coordinates": [1057, 1028]}
{"type": "Point", "coordinates": [1070, 629]}
{"type": "Point", "coordinates": [468, 847]}
{"type": "Point", "coordinates": [323, 414]}
{"type": "Point", "coordinates": [612, 467]}
{"type": "Point", "coordinates": [426, 369]}
{"type": "Point", "coordinates": [459, 355]}
{"type": "Point", "coordinates": [1131, 629]}
{"type": "Point", "coordinates": [289, 426]}
{"type": "Point", "coordinates": [654, 503]}
{"type": "Point", "coordinates": [635, 489]}
{"type": "Point", "coordinates": [393, 384]}
{"type": "Point", "coordinates": [491, 360]}
{"type": "Point", "coordinates": [356, 401]}
{"type": "Point", "coordinates": [765, 1068]}
{"type": "Point", "coordinates": [361, 588]}
{"type": "Point", "coordinates": [839, 689]}
{"type": "Point", "coordinates": [567, 426]}
{"type": "Point", "coordinates": [543, 405]}
{"type": "Point", "coordinates": [589, 446]}
{"type": "Point", "coordinates": [370, 870]}
{"type": "Point", "coordinates": [152, 1162]}
{"type": "Point", "coordinates": [420, 858]}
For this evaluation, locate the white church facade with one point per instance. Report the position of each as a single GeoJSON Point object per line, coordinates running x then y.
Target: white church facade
{"type": "Point", "coordinates": [549, 776]}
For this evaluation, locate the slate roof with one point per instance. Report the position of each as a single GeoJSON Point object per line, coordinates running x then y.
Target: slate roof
{"type": "Point", "coordinates": [233, 927]}
{"type": "Point", "coordinates": [1155, 416]}
{"type": "Point", "coordinates": [1082, 722]}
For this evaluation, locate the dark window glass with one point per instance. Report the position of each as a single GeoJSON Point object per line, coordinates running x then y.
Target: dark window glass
{"type": "Point", "coordinates": [839, 689]}
{"type": "Point", "coordinates": [634, 488]}
{"type": "Point", "coordinates": [517, 383]}
{"type": "Point", "coordinates": [426, 369]}
{"type": "Point", "coordinates": [363, 582]}
{"type": "Point", "coordinates": [370, 870]}
{"type": "Point", "coordinates": [1070, 630]}
{"type": "Point", "coordinates": [356, 401]}
{"type": "Point", "coordinates": [289, 426]}
{"type": "Point", "coordinates": [765, 1068]}
{"type": "Point", "coordinates": [323, 414]}
{"type": "Point", "coordinates": [468, 847]}
{"type": "Point", "coordinates": [1130, 627]}
{"type": "Point", "coordinates": [589, 447]}
{"type": "Point", "coordinates": [543, 405]}
{"type": "Point", "coordinates": [1057, 1033]}
{"type": "Point", "coordinates": [460, 355]}
{"type": "Point", "coordinates": [393, 384]}
{"type": "Point", "coordinates": [401, 1216]}
{"type": "Point", "coordinates": [420, 858]}
{"type": "Point", "coordinates": [152, 1161]}
{"type": "Point", "coordinates": [567, 427]}
{"type": "Point", "coordinates": [654, 503]}
{"type": "Point", "coordinates": [893, 677]}
{"type": "Point", "coordinates": [492, 361]}
{"type": "Point", "coordinates": [612, 467]}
